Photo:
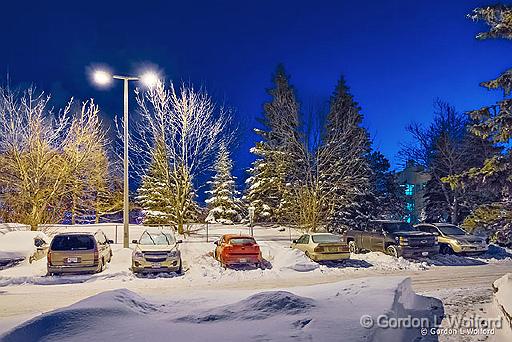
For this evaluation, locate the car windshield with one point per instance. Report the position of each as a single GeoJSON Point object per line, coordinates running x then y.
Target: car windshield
{"type": "Point", "coordinates": [72, 242]}
{"type": "Point", "coordinates": [157, 238]}
{"type": "Point", "coordinates": [451, 230]}
{"type": "Point", "coordinates": [326, 238]}
{"type": "Point", "coordinates": [392, 227]}
{"type": "Point", "coordinates": [242, 241]}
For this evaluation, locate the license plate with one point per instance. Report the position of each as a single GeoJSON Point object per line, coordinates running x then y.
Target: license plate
{"type": "Point", "coordinates": [424, 253]}
{"type": "Point", "coordinates": [243, 260]}
{"type": "Point", "coordinates": [156, 265]}
{"type": "Point", "coordinates": [72, 260]}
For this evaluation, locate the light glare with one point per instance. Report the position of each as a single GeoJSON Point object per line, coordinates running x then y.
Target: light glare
{"type": "Point", "coordinates": [149, 79]}
{"type": "Point", "coordinates": [102, 77]}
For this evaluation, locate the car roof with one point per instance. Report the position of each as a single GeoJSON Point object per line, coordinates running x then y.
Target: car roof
{"type": "Point", "coordinates": [230, 236]}
{"type": "Point", "coordinates": [76, 233]}
{"type": "Point", "coordinates": [387, 221]}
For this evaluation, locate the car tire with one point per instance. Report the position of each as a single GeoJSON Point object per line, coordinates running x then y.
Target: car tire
{"type": "Point", "coordinates": [446, 249]}
{"type": "Point", "coordinates": [393, 251]}
{"type": "Point", "coordinates": [352, 247]}
{"type": "Point", "coordinates": [180, 269]}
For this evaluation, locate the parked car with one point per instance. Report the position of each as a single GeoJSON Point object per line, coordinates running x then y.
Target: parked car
{"type": "Point", "coordinates": [232, 249]}
{"type": "Point", "coordinates": [41, 251]}
{"type": "Point", "coordinates": [322, 246]}
{"type": "Point", "coordinates": [453, 239]}
{"type": "Point", "coordinates": [157, 251]}
{"type": "Point", "coordinates": [395, 238]}
{"type": "Point", "coordinates": [78, 253]}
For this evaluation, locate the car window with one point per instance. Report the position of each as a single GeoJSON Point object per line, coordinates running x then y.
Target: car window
{"type": "Point", "coordinates": [303, 239]}
{"type": "Point", "coordinates": [450, 229]}
{"type": "Point", "coordinates": [242, 241]}
{"type": "Point", "coordinates": [158, 238]}
{"type": "Point", "coordinates": [72, 242]}
{"type": "Point", "coordinates": [392, 227]}
{"type": "Point", "coordinates": [326, 238]}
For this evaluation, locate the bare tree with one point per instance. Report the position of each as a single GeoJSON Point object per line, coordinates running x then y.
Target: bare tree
{"type": "Point", "coordinates": [42, 154]}
{"type": "Point", "coordinates": [188, 127]}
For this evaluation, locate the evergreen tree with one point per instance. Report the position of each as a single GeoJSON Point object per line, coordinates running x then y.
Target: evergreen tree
{"type": "Point", "coordinates": [388, 201]}
{"type": "Point", "coordinates": [269, 187]}
{"type": "Point", "coordinates": [222, 201]}
{"type": "Point", "coordinates": [154, 193]}
{"type": "Point", "coordinates": [344, 169]}
{"type": "Point", "coordinates": [494, 124]}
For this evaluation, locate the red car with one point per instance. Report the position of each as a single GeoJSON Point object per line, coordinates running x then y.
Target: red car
{"type": "Point", "coordinates": [235, 249]}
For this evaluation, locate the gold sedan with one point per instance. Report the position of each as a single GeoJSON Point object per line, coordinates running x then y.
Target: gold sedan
{"type": "Point", "coordinates": [322, 246]}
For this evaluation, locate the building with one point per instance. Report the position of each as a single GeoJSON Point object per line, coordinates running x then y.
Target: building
{"type": "Point", "coordinates": [413, 179]}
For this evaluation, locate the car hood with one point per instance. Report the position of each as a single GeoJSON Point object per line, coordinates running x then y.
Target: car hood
{"type": "Point", "coordinates": [467, 239]}
{"type": "Point", "coordinates": [412, 234]}
{"type": "Point", "coordinates": [156, 248]}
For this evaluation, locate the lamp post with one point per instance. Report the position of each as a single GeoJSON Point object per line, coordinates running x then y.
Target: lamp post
{"type": "Point", "coordinates": [104, 78]}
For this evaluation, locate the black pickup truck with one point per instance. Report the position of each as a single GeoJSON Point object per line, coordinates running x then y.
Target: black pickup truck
{"type": "Point", "coordinates": [395, 238]}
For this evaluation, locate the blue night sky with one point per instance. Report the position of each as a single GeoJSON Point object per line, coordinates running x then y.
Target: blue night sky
{"type": "Point", "coordinates": [397, 56]}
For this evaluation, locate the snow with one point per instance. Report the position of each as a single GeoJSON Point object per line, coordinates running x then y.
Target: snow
{"type": "Point", "coordinates": [281, 262]}
{"type": "Point", "coordinates": [324, 312]}
{"type": "Point", "coordinates": [503, 302]}
{"type": "Point", "coordinates": [19, 244]}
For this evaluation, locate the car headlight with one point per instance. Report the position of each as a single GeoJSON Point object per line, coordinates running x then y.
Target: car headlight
{"type": "Point", "coordinates": [173, 254]}
{"type": "Point", "coordinates": [138, 255]}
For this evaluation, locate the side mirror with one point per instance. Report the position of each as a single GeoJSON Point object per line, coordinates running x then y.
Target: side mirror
{"type": "Point", "coordinates": [135, 241]}
{"type": "Point", "coordinates": [294, 241]}
{"type": "Point", "coordinates": [179, 241]}
{"type": "Point", "coordinates": [110, 241]}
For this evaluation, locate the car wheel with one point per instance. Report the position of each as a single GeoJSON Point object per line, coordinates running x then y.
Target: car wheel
{"type": "Point", "coordinates": [393, 251]}
{"type": "Point", "coordinates": [352, 247]}
{"type": "Point", "coordinates": [446, 249]}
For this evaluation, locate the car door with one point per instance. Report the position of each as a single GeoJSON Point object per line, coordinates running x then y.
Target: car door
{"type": "Point", "coordinates": [378, 237]}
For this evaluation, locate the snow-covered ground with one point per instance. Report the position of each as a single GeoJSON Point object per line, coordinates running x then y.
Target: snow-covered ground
{"type": "Point", "coordinates": [281, 262]}
{"type": "Point", "coordinates": [205, 281]}
{"type": "Point", "coordinates": [328, 312]}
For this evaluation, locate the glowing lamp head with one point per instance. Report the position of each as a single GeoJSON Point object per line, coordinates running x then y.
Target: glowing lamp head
{"type": "Point", "coordinates": [102, 78]}
{"type": "Point", "coordinates": [149, 79]}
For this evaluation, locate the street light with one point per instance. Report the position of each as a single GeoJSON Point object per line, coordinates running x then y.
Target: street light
{"type": "Point", "coordinates": [104, 78]}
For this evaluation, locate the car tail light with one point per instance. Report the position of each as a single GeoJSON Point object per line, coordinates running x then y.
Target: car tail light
{"type": "Point", "coordinates": [319, 249]}
{"type": "Point", "coordinates": [49, 257]}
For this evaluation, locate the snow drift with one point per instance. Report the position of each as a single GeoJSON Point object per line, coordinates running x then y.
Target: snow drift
{"type": "Point", "coordinates": [503, 301]}
{"type": "Point", "coordinates": [327, 312]}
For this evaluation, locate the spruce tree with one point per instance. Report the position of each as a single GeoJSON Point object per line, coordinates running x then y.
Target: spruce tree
{"type": "Point", "coordinates": [343, 167]}
{"type": "Point", "coordinates": [222, 201]}
{"type": "Point", "coordinates": [269, 187]}
{"type": "Point", "coordinates": [493, 123]}
{"type": "Point", "coordinates": [154, 193]}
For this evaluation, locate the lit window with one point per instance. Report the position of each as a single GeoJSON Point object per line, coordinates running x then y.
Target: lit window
{"type": "Point", "coordinates": [409, 189]}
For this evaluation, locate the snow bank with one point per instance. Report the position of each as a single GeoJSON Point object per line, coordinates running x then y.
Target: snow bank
{"type": "Point", "coordinates": [503, 301]}
{"type": "Point", "coordinates": [18, 245]}
{"type": "Point", "coordinates": [8, 227]}
{"type": "Point", "coordinates": [328, 312]}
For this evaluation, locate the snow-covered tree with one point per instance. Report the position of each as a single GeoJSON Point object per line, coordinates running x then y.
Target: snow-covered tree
{"type": "Point", "coordinates": [343, 166]}
{"type": "Point", "coordinates": [188, 126]}
{"type": "Point", "coordinates": [45, 159]}
{"type": "Point", "coordinates": [493, 123]}
{"type": "Point", "coordinates": [269, 187]}
{"type": "Point", "coordinates": [155, 192]}
{"type": "Point", "coordinates": [388, 201]}
{"type": "Point", "coordinates": [222, 196]}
